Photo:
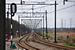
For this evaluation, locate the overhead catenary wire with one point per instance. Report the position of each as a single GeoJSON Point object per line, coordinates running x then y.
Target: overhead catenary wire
{"type": "Point", "coordinates": [63, 8]}
{"type": "Point", "coordinates": [58, 9]}
{"type": "Point", "coordinates": [53, 11]}
{"type": "Point", "coordinates": [34, 8]}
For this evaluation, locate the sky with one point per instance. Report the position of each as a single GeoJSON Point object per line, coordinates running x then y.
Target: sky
{"type": "Point", "coordinates": [65, 16]}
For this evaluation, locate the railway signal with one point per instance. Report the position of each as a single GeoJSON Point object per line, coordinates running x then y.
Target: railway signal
{"type": "Point", "coordinates": [64, 1]}
{"type": "Point", "coordinates": [13, 11]}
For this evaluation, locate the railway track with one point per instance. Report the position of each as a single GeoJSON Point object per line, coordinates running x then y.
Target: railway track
{"type": "Point", "coordinates": [58, 47]}
{"type": "Point", "coordinates": [24, 42]}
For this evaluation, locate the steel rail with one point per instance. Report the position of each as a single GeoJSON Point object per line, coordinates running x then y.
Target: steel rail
{"type": "Point", "coordinates": [26, 43]}
{"type": "Point", "coordinates": [38, 40]}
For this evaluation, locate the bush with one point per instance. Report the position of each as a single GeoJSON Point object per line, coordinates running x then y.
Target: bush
{"type": "Point", "coordinates": [73, 39]}
{"type": "Point", "coordinates": [69, 44]}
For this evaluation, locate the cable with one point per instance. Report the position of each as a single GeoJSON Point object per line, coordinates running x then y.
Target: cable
{"type": "Point", "coordinates": [35, 8]}
{"type": "Point", "coordinates": [59, 9]}
{"type": "Point", "coordinates": [62, 8]}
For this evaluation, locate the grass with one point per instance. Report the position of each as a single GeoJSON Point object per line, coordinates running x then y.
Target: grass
{"type": "Point", "coordinates": [61, 34]}
{"type": "Point", "coordinates": [49, 34]}
{"type": "Point", "coordinates": [69, 45]}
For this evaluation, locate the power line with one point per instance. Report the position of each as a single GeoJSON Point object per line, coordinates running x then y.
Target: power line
{"type": "Point", "coordinates": [34, 8]}
{"type": "Point", "coordinates": [32, 4]}
{"type": "Point", "coordinates": [58, 9]}
{"type": "Point", "coordinates": [62, 8]}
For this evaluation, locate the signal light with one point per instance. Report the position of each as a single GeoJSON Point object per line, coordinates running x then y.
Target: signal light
{"type": "Point", "coordinates": [65, 1]}
{"type": "Point", "coordinates": [13, 9]}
